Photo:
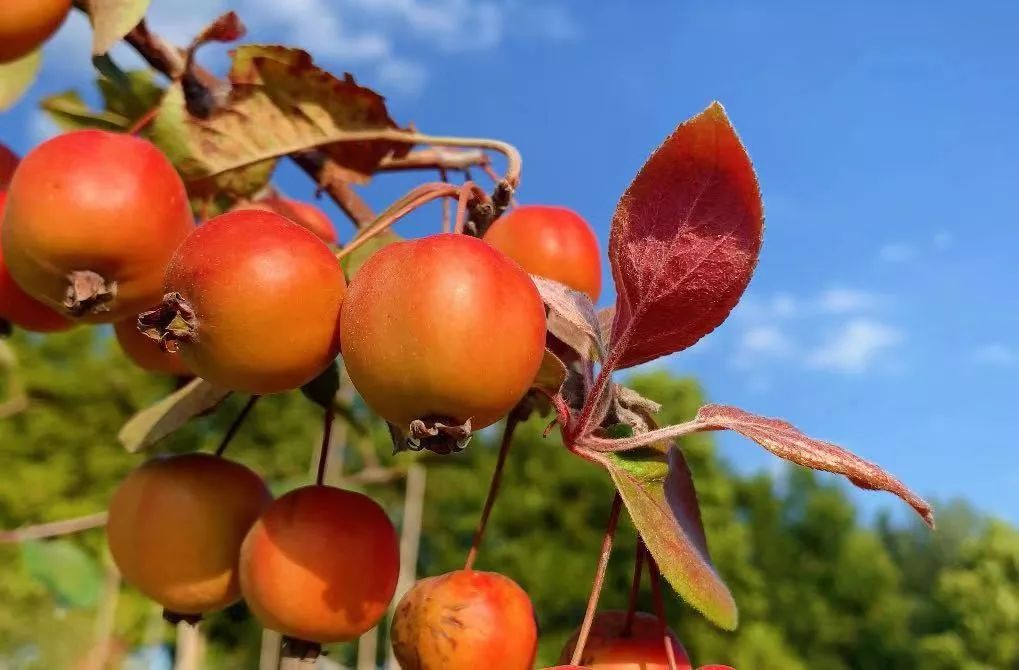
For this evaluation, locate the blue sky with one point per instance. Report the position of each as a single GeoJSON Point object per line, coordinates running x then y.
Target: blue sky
{"type": "Point", "coordinates": [884, 314]}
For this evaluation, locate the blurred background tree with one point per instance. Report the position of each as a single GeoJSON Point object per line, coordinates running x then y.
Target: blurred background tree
{"type": "Point", "coordinates": [817, 586]}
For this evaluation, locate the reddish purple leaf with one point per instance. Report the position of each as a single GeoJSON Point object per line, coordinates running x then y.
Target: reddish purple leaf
{"type": "Point", "coordinates": [225, 28]}
{"type": "Point", "coordinates": [685, 240]}
{"type": "Point", "coordinates": [658, 491]}
{"type": "Point", "coordinates": [786, 441]}
{"type": "Point", "coordinates": [572, 317]}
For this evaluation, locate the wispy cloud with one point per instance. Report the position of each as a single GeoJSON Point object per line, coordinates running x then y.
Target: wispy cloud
{"type": "Point", "coordinates": [856, 346]}
{"type": "Point", "coordinates": [847, 301]}
{"type": "Point", "coordinates": [896, 252]}
{"type": "Point", "coordinates": [997, 355]}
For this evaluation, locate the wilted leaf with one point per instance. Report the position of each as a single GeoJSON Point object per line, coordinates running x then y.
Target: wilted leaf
{"type": "Point", "coordinates": [551, 375]}
{"type": "Point", "coordinates": [684, 241]}
{"type": "Point", "coordinates": [112, 19]}
{"type": "Point", "coordinates": [658, 491]}
{"type": "Point", "coordinates": [70, 112]}
{"type": "Point", "coordinates": [16, 76]}
{"type": "Point", "coordinates": [605, 318]}
{"type": "Point", "coordinates": [786, 441]}
{"type": "Point", "coordinates": [280, 103]}
{"type": "Point", "coordinates": [225, 28]}
{"type": "Point", "coordinates": [572, 317]}
{"type": "Point", "coordinates": [156, 422]}
{"type": "Point", "coordinates": [71, 575]}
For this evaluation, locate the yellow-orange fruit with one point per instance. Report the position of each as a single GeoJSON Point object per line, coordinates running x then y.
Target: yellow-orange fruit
{"type": "Point", "coordinates": [92, 219]}
{"type": "Point", "coordinates": [302, 213]}
{"type": "Point", "coordinates": [320, 565]}
{"type": "Point", "coordinates": [608, 648]}
{"type": "Point", "coordinates": [465, 620]}
{"type": "Point", "coordinates": [18, 307]}
{"type": "Point", "coordinates": [443, 327]}
{"type": "Point", "coordinates": [551, 242]}
{"type": "Point", "coordinates": [26, 24]}
{"type": "Point", "coordinates": [176, 525]}
{"type": "Point", "coordinates": [261, 296]}
{"type": "Point", "coordinates": [145, 352]}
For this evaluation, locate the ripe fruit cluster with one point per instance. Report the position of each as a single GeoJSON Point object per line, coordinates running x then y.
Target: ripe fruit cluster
{"type": "Point", "coordinates": [443, 332]}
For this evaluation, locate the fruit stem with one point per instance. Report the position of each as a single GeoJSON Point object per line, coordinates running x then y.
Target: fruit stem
{"type": "Point", "coordinates": [631, 609]}
{"type": "Point", "coordinates": [143, 121]}
{"type": "Point", "coordinates": [323, 454]}
{"type": "Point", "coordinates": [599, 579]}
{"type": "Point", "coordinates": [236, 425]}
{"type": "Point", "coordinates": [493, 488]}
{"type": "Point", "coordinates": [461, 206]}
{"type": "Point", "coordinates": [444, 177]}
{"type": "Point", "coordinates": [415, 198]}
{"type": "Point", "coordinates": [656, 592]}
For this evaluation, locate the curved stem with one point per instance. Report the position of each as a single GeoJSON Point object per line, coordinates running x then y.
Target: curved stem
{"type": "Point", "coordinates": [631, 609]}
{"type": "Point", "coordinates": [143, 121]}
{"type": "Point", "coordinates": [235, 426]}
{"type": "Point", "coordinates": [599, 579]}
{"type": "Point", "coordinates": [493, 488]}
{"type": "Point", "coordinates": [54, 528]}
{"type": "Point", "coordinates": [466, 190]}
{"type": "Point", "coordinates": [656, 592]}
{"type": "Point", "coordinates": [323, 454]}
{"type": "Point", "coordinates": [444, 176]}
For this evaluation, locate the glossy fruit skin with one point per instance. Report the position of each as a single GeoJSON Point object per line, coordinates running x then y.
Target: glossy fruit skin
{"type": "Point", "coordinates": [444, 326]}
{"type": "Point", "coordinates": [176, 525]}
{"type": "Point", "coordinates": [21, 309]}
{"type": "Point", "coordinates": [146, 353]}
{"type": "Point", "coordinates": [465, 620]}
{"type": "Point", "coordinates": [104, 202]}
{"type": "Point", "coordinates": [302, 213]}
{"type": "Point", "coordinates": [320, 565]}
{"type": "Point", "coordinates": [551, 242]}
{"type": "Point", "coordinates": [8, 161]}
{"type": "Point", "coordinates": [643, 649]}
{"type": "Point", "coordinates": [266, 295]}
{"type": "Point", "coordinates": [26, 24]}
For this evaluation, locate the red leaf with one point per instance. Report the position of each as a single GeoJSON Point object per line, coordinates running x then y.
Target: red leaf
{"type": "Point", "coordinates": [658, 491]}
{"type": "Point", "coordinates": [225, 28]}
{"type": "Point", "coordinates": [786, 441]}
{"type": "Point", "coordinates": [685, 240]}
{"type": "Point", "coordinates": [572, 317]}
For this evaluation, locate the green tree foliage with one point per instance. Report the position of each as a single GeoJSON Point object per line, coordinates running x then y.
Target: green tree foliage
{"type": "Point", "coordinates": [817, 587]}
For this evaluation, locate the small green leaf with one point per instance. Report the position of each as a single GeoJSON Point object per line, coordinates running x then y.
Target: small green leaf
{"type": "Point", "coordinates": [159, 420]}
{"type": "Point", "coordinates": [16, 76]}
{"type": "Point", "coordinates": [551, 375]}
{"type": "Point", "coordinates": [131, 95]}
{"type": "Point", "coordinates": [71, 575]}
{"type": "Point", "coordinates": [657, 489]}
{"type": "Point", "coordinates": [112, 19]}
{"type": "Point", "coordinates": [70, 112]}
{"type": "Point", "coordinates": [322, 389]}
{"type": "Point", "coordinates": [619, 431]}
{"type": "Point", "coordinates": [353, 261]}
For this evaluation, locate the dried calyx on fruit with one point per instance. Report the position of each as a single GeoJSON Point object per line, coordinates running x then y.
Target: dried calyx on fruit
{"type": "Point", "coordinates": [438, 348]}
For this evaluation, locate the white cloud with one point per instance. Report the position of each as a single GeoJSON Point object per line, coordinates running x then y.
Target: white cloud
{"type": "Point", "coordinates": [896, 252]}
{"type": "Point", "coordinates": [943, 239]}
{"type": "Point", "coordinates": [846, 301]}
{"type": "Point", "coordinates": [997, 355]}
{"type": "Point", "coordinates": [404, 75]}
{"type": "Point", "coordinates": [856, 346]}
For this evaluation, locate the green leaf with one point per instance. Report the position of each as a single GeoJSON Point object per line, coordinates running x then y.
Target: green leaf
{"type": "Point", "coordinates": [71, 574]}
{"type": "Point", "coordinates": [159, 420]}
{"type": "Point", "coordinates": [280, 103]}
{"type": "Point", "coordinates": [322, 389]}
{"type": "Point", "coordinates": [657, 489]}
{"type": "Point", "coordinates": [112, 20]}
{"type": "Point", "coordinates": [131, 95]}
{"type": "Point", "coordinates": [70, 112]}
{"type": "Point", "coordinates": [353, 261]}
{"type": "Point", "coordinates": [16, 76]}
